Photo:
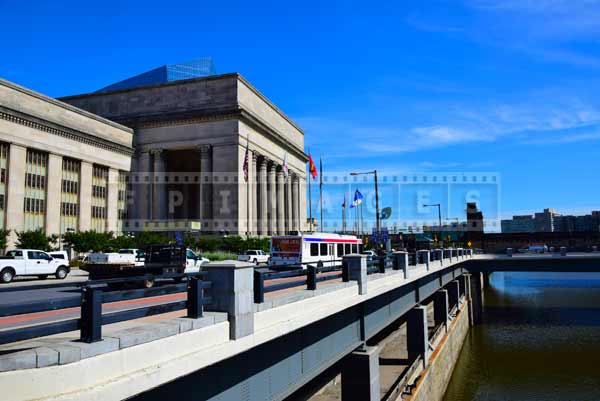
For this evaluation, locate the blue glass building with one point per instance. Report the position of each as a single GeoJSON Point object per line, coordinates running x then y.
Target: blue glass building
{"type": "Point", "coordinates": [201, 67]}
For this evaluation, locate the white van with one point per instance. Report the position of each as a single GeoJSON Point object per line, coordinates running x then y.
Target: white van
{"type": "Point", "coordinates": [313, 247]}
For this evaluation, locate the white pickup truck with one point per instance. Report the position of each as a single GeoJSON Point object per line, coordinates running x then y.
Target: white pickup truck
{"type": "Point", "coordinates": [255, 256]}
{"type": "Point", "coordinates": [31, 262]}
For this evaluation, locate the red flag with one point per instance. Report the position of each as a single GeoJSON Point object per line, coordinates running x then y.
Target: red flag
{"type": "Point", "coordinates": [246, 166]}
{"type": "Point", "coordinates": [312, 168]}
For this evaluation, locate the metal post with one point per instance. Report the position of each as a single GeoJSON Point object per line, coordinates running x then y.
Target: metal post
{"type": "Point", "coordinates": [194, 298]}
{"type": "Point", "coordinates": [377, 204]}
{"type": "Point", "coordinates": [381, 264]}
{"type": "Point", "coordinates": [91, 314]}
{"type": "Point", "coordinates": [259, 287]}
{"type": "Point", "coordinates": [345, 271]}
{"type": "Point", "coordinates": [311, 277]}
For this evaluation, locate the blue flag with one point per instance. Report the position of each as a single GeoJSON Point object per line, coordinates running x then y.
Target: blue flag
{"type": "Point", "coordinates": [358, 198]}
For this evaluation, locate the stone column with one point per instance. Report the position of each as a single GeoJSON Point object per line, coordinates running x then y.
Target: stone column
{"type": "Point", "coordinates": [206, 188]}
{"type": "Point", "coordinates": [263, 201]}
{"type": "Point", "coordinates": [143, 186]}
{"type": "Point", "coordinates": [357, 270]}
{"type": "Point", "coordinates": [85, 196]}
{"type": "Point", "coordinates": [252, 187]}
{"type": "Point", "coordinates": [112, 210]}
{"type": "Point", "coordinates": [423, 256]}
{"type": "Point", "coordinates": [53, 194]}
{"type": "Point", "coordinates": [440, 308]}
{"type": "Point", "coordinates": [417, 336]}
{"type": "Point", "coordinates": [401, 262]}
{"type": "Point", "coordinates": [159, 193]}
{"type": "Point", "coordinates": [295, 203]}
{"type": "Point", "coordinates": [289, 223]}
{"type": "Point", "coordinates": [280, 202]}
{"type": "Point", "coordinates": [16, 191]}
{"type": "Point", "coordinates": [360, 376]}
{"type": "Point", "coordinates": [271, 199]}
{"type": "Point", "coordinates": [232, 291]}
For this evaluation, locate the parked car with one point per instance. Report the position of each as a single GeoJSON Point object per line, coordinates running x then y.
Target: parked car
{"type": "Point", "coordinates": [193, 261]}
{"type": "Point", "coordinates": [370, 254]}
{"type": "Point", "coordinates": [255, 256]}
{"type": "Point", "coordinates": [63, 255]}
{"type": "Point", "coordinates": [31, 262]}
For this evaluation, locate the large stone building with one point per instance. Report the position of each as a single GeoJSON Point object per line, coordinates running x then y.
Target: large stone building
{"type": "Point", "coordinates": [61, 168]}
{"type": "Point", "coordinates": [191, 138]}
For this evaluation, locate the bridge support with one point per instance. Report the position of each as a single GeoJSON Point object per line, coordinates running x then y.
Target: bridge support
{"type": "Point", "coordinates": [360, 376]}
{"type": "Point", "coordinates": [453, 288]}
{"type": "Point", "coordinates": [440, 308]}
{"type": "Point", "coordinates": [486, 280]}
{"type": "Point", "coordinates": [357, 270]}
{"type": "Point", "coordinates": [401, 262]}
{"type": "Point", "coordinates": [476, 287]}
{"type": "Point", "coordinates": [417, 335]}
{"type": "Point", "coordinates": [232, 292]}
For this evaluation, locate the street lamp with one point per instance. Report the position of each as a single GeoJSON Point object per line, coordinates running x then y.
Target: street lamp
{"type": "Point", "coordinates": [374, 172]}
{"type": "Point", "coordinates": [439, 206]}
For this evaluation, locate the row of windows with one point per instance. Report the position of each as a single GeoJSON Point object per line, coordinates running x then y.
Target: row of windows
{"type": "Point", "coordinates": [98, 212]}
{"type": "Point", "coordinates": [33, 205]}
{"type": "Point", "coordinates": [38, 158]}
{"type": "Point", "coordinates": [70, 165]}
{"type": "Point", "coordinates": [35, 181]}
{"type": "Point", "coordinates": [342, 249]}
{"type": "Point", "coordinates": [70, 187]}
{"type": "Point", "coordinates": [98, 191]}
{"type": "Point", "coordinates": [69, 209]}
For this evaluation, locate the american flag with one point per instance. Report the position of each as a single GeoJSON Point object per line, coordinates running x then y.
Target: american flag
{"type": "Point", "coordinates": [246, 165]}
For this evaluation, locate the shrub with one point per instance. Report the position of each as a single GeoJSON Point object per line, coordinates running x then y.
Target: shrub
{"type": "Point", "coordinates": [35, 239]}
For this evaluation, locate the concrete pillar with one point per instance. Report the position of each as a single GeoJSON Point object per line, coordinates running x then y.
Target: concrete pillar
{"type": "Point", "coordinates": [289, 223]}
{"type": "Point", "coordinates": [486, 280]}
{"type": "Point", "coordinates": [85, 196]}
{"type": "Point", "coordinates": [440, 256]}
{"type": "Point", "coordinates": [245, 189]}
{"type": "Point", "coordinates": [360, 376]}
{"type": "Point", "coordinates": [263, 203]}
{"type": "Point", "coordinates": [280, 202]}
{"type": "Point", "coordinates": [159, 193]}
{"type": "Point", "coordinates": [15, 191]}
{"type": "Point", "coordinates": [357, 270]}
{"type": "Point", "coordinates": [453, 288]}
{"type": "Point", "coordinates": [423, 256]}
{"type": "Point", "coordinates": [477, 298]}
{"type": "Point", "coordinates": [143, 186]}
{"type": "Point", "coordinates": [206, 188]}
{"type": "Point", "coordinates": [440, 308]}
{"type": "Point", "coordinates": [462, 281]}
{"type": "Point", "coordinates": [53, 194]}
{"type": "Point", "coordinates": [417, 335]}
{"type": "Point", "coordinates": [232, 291]}
{"type": "Point", "coordinates": [112, 210]}
{"type": "Point", "coordinates": [271, 198]}
{"type": "Point", "coordinates": [295, 203]}
{"type": "Point", "coordinates": [401, 262]}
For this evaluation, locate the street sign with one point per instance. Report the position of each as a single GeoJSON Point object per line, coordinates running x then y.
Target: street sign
{"type": "Point", "coordinates": [469, 244]}
{"type": "Point", "coordinates": [179, 238]}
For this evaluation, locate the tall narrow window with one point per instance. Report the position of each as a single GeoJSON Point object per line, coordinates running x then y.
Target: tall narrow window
{"type": "Point", "coordinates": [34, 206]}
{"type": "Point", "coordinates": [69, 195]}
{"type": "Point", "coordinates": [4, 148]}
{"type": "Point", "coordinates": [122, 200]}
{"type": "Point", "coordinates": [99, 198]}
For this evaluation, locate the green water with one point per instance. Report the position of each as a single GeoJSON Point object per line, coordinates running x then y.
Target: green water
{"type": "Point", "coordinates": [540, 341]}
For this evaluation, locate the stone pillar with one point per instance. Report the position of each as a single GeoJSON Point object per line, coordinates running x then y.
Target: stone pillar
{"type": "Point", "coordinates": [295, 203]}
{"type": "Point", "coordinates": [232, 291]}
{"type": "Point", "coordinates": [424, 256]}
{"type": "Point", "coordinates": [253, 230]}
{"type": "Point", "coordinates": [401, 262]}
{"type": "Point", "coordinates": [15, 191]}
{"type": "Point", "coordinates": [112, 201]}
{"type": "Point", "coordinates": [85, 196]}
{"type": "Point", "coordinates": [453, 288]}
{"type": "Point", "coordinates": [289, 224]}
{"type": "Point", "coordinates": [143, 187]}
{"type": "Point", "coordinates": [357, 270]}
{"type": "Point", "coordinates": [280, 202]}
{"type": "Point", "coordinates": [206, 188]}
{"type": "Point", "coordinates": [417, 335]}
{"type": "Point", "coordinates": [477, 298]}
{"type": "Point", "coordinates": [53, 194]}
{"type": "Point", "coordinates": [360, 376]}
{"type": "Point", "coordinates": [271, 199]}
{"type": "Point", "coordinates": [263, 201]}
{"type": "Point", "coordinates": [159, 193]}
{"type": "Point", "coordinates": [302, 203]}
{"type": "Point", "coordinates": [440, 308]}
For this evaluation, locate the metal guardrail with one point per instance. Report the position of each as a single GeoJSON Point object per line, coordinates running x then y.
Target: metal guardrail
{"type": "Point", "coordinates": [93, 296]}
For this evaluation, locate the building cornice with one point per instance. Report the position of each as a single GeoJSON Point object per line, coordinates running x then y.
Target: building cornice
{"type": "Point", "coordinates": [59, 130]}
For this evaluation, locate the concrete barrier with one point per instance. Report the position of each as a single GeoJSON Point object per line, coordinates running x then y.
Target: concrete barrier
{"type": "Point", "coordinates": [357, 270]}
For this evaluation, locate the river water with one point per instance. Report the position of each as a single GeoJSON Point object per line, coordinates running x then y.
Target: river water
{"type": "Point", "coordinates": [540, 341]}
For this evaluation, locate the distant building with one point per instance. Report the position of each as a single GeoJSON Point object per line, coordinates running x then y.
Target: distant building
{"type": "Point", "coordinates": [550, 221]}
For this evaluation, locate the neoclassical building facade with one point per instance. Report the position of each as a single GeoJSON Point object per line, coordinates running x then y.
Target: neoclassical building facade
{"type": "Point", "coordinates": [191, 138]}
{"type": "Point", "coordinates": [61, 168]}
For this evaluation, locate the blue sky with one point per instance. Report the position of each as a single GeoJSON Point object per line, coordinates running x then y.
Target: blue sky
{"type": "Point", "coordinates": [507, 88]}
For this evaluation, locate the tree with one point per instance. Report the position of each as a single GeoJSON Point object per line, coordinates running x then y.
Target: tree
{"type": "Point", "coordinates": [122, 241]}
{"type": "Point", "coordinates": [35, 239]}
{"type": "Point", "coordinates": [85, 241]}
{"type": "Point", "coordinates": [4, 233]}
{"type": "Point", "coordinates": [208, 243]}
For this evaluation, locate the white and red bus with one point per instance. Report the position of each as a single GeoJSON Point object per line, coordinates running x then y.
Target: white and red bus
{"type": "Point", "coordinates": [313, 247]}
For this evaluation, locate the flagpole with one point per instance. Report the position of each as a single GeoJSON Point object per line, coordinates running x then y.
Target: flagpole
{"type": "Point", "coordinates": [310, 193]}
{"type": "Point", "coordinates": [321, 191]}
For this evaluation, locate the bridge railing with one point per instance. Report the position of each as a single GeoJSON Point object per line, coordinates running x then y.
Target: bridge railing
{"type": "Point", "coordinates": [95, 293]}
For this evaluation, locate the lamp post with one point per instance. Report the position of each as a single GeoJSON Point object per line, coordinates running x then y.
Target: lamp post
{"type": "Point", "coordinates": [439, 206]}
{"type": "Point", "coordinates": [378, 221]}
